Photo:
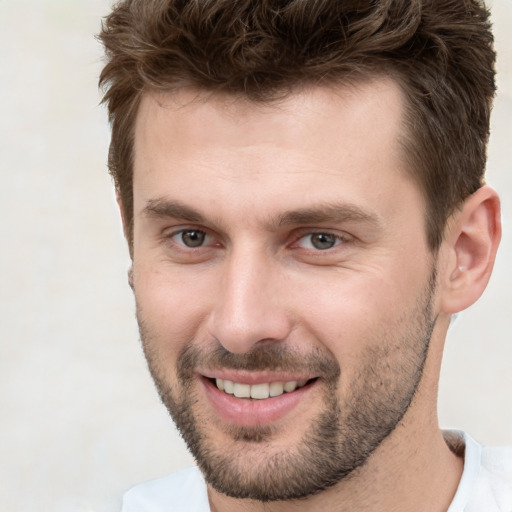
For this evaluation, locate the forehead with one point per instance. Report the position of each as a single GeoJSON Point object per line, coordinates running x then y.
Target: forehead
{"type": "Point", "coordinates": [336, 142]}
{"type": "Point", "coordinates": [310, 113]}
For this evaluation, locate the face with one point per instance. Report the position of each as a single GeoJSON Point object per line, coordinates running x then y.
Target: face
{"type": "Point", "coordinates": [283, 282]}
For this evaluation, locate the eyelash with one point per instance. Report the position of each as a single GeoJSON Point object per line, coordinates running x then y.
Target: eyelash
{"type": "Point", "coordinates": [181, 232]}
{"type": "Point", "coordinates": [337, 239]}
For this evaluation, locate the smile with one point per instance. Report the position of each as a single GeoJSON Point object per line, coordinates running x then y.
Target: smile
{"type": "Point", "coordinates": [254, 399]}
{"type": "Point", "coordinates": [258, 391]}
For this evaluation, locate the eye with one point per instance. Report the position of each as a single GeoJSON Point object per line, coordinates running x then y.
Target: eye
{"type": "Point", "coordinates": [320, 241]}
{"type": "Point", "coordinates": [190, 244]}
{"type": "Point", "coordinates": [191, 237]}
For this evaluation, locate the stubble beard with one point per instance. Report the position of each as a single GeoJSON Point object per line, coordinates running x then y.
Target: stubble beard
{"type": "Point", "coordinates": [340, 440]}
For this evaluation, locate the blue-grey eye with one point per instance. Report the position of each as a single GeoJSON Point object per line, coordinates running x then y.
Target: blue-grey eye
{"type": "Point", "coordinates": [319, 241]}
{"type": "Point", "coordinates": [193, 237]}
{"type": "Point", "coordinates": [323, 241]}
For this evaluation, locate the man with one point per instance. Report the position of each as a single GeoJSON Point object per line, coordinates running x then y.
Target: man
{"type": "Point", "coordinates": [301, 186]}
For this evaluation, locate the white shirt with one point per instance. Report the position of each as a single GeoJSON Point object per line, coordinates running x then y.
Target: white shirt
{"type": "Point", "coordinates": [485, 486]}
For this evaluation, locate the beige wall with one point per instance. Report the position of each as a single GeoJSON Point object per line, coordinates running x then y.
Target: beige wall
{"type": "Point", "coordinates": [79, 419]}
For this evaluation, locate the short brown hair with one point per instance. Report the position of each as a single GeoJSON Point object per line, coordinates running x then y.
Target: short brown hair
{"type": "Point", "coordinates": [439, 51]}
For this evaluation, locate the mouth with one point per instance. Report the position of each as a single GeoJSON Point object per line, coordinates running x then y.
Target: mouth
{"type": "Point", "coordinates": [246, 399]}
{"type": "Point", "coordinates": [257, 397]}
{"type": "Point", "coordinates": [261, 391]}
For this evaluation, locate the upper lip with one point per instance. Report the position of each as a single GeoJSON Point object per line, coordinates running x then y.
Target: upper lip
{"type": "Point", "coordinates": [248, 377]}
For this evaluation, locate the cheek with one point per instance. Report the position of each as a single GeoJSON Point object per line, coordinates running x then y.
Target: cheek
{"type": "Point", "coordinates": [171, 305]}
{"type": "Point", "coordinates": [358, 312]}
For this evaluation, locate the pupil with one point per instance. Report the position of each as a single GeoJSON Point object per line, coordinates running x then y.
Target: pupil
{"type": "Point", "coordinates": [323, 241]}
{"type": "Point", "coordinates": [192, 238]}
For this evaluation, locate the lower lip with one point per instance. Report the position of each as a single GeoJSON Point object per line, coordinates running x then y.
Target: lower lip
{"type": "Point", "coordinates": [251, 413]}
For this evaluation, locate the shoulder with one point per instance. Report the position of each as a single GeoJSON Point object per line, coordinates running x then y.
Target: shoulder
{"type": "Point", "coordinates": [486, 482]}
{"type": "Point", "coordinates": [183, 491]}
{"type": "Point", "coordinates": [496, 476]}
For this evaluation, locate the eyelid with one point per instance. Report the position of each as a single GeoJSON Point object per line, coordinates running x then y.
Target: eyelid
{"type": "Point", "coordinates": [178, 236]}
{"type": "Point", "coordinates": [341, 237]}
{"type": "Point", "coordinates": [211, 239]}
{"type": "Point", "coordinates": [171, 234]}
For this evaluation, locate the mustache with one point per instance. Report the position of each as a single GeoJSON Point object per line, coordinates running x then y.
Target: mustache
{"type": "Point", "coordinates": [266, 357]}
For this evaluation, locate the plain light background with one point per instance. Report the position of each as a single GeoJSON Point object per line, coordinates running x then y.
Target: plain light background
{"type": "Point", "coordinates": [79, 418]}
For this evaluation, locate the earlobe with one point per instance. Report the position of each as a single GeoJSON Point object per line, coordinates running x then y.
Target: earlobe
{"type": "Point", "coordinates": [472, 239]}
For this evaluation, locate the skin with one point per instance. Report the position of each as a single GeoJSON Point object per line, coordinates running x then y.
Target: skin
{"type": "Point", "coordinates": [235, 171]}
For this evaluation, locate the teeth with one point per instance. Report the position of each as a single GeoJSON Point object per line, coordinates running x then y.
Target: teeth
{"type": "Point", "coordinates": [290, 386]}
{"type": "Point", "coordinates": [242, 390]}
{"type": "Point", "coordinates": [276, 389]}
{"type": "Point", "coordinates": [258, 391]}
{"type": "Point", "coordinates": [229, 387]}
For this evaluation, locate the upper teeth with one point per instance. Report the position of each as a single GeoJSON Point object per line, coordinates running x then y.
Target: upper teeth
{"type": "Point", "coordinates": [258, 391]}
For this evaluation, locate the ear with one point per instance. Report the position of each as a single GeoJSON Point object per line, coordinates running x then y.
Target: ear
{"type": "Point", "coordinates": [471, 241]}
{"type": "Point", "coordinates": [123, 222]}
{"type": "Point", "coordinates": [121, 211]}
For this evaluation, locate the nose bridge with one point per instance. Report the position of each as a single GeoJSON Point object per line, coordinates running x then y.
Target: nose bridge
{"type": "Point", "coordinates": [249, 306]}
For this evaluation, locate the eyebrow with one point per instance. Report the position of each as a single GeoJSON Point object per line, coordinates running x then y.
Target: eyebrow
{"type": "Point", "coordinates": [328, 213]}
{"type": "Point", "coordinates": [319, 214]}
{"type": "Point", "coordinates": [162, 208]}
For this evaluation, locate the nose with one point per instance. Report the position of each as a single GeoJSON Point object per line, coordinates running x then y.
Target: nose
{"type": "Point", "coordinates": [251, 304]}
